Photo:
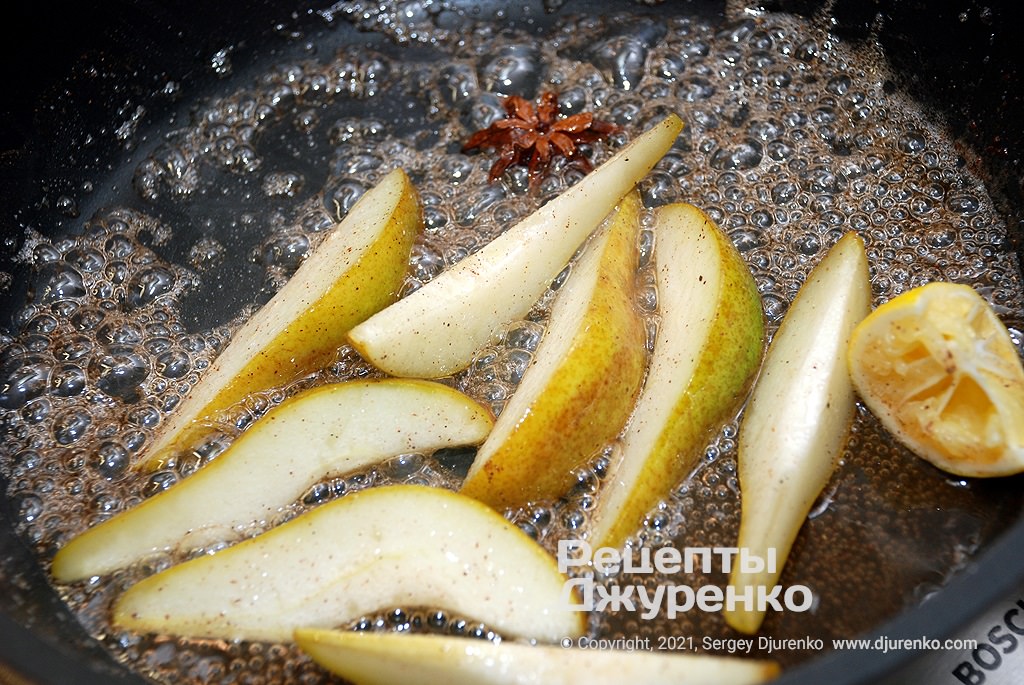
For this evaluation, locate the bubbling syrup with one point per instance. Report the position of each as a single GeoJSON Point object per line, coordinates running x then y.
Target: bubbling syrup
{"type": "Point", "coordinates": [791, 139]}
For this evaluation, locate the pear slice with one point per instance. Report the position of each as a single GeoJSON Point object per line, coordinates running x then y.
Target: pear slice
{"type": "Point", "coordinates": [799, 415]}
{"type": "Point", "coordinates": [392, 546]}
{"type": "Point", "coordinates": [577, 394]}
{"type": "Point", "coordinates": [386, 658]}
{"type": "Point", "coordinates": [710, 340]}
{"type": "Point", "coordinates": [435, 330]}
{"type": "Point", "coordinates": [355, 272]}
{"type": "Point", "coordinates": [324, 431]}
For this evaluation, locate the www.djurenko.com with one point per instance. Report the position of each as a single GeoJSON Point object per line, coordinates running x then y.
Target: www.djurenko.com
{"type": "Point", "coordinates": [887, 644]}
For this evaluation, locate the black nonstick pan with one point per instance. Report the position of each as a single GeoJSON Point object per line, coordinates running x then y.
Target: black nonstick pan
{"type": "Point", "coordinates": [219, 141]}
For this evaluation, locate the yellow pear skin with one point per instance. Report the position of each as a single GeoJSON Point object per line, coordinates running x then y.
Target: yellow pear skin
{"type": "Point", "coordinates": [387, 658]}
{"type": "Point", "coordinates": [326, 431]}
{"type": "Point", "coordinates": [357, 271]}
{"type": "Point", "coordinates": [376, 549]}
{"type": "Point", "coordinates": [710, 341]}
{"type": "Point", "coordinates": [797, 421]}
{"type": "Point", "coordinates": [436, 330]}
{"type": "Point", "coordinates": [578, 392]}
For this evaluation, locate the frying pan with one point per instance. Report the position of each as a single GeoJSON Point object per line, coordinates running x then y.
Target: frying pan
{"type": "Point", "coordinates": [73, 75]}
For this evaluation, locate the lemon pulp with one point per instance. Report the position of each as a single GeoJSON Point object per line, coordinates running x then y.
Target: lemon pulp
{"type": "Point", "coordinates": [938, 368]}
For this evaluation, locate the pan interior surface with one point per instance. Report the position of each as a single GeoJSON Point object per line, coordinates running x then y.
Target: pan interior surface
{"type": "Point", "coordinates": [127, 280]}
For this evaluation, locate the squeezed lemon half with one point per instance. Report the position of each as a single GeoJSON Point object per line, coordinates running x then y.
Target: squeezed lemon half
{"type": "Point", "coordinates": [938, 368]}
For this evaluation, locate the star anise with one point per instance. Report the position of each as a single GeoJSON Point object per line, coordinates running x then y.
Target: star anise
{"type": "Point", "coordinates": [532, 136]}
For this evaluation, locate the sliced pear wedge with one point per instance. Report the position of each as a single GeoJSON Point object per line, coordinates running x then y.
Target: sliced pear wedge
{"type": "Point", "coordinates": [578, 392]}
{"type": "Point", "coordinates": [799, 415]}
{"type": "Point", "coordinates": [357, 271]}
{"type": "Point", "coordinates": [435, 330]}
{"type": "Point", "coordinates": [386, 658]}
{"type": "Point", "coordinates": [710, 340]}
{"type": "Point", "coordinates": [325, 431]}
{"type": "Point", "coordinates": [393, 546]}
